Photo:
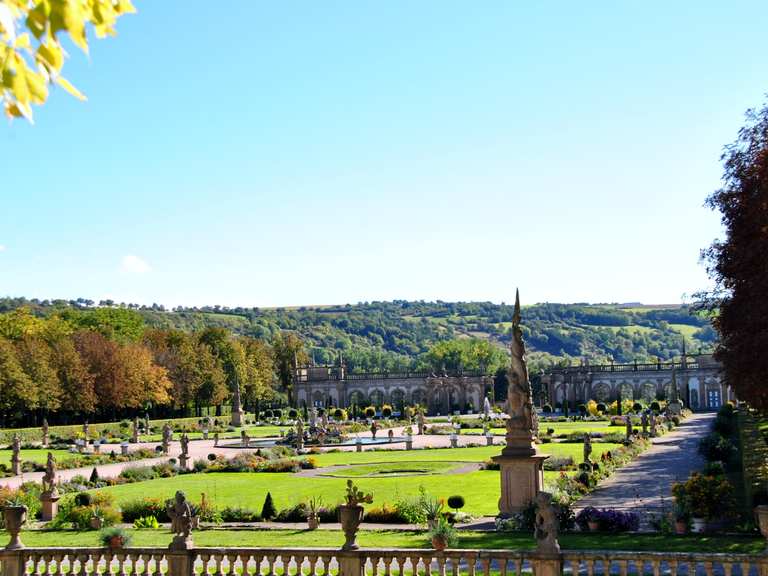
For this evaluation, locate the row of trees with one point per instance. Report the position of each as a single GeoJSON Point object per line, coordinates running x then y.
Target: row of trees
{"type": "Point", "coordinates": [106, 364]}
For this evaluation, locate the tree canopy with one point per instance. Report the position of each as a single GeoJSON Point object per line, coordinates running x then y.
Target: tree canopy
{"type": "Point", "coordinates": [738, 263]}
{"type": "Point", "coordinates": [31, 51]}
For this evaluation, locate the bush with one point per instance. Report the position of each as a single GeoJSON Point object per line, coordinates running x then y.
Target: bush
{"type": "Point", "coordinates": [268, 414]}
{"type": "Point", "coordinates": [296, 513]}
{"type": "Point", "coordinates": [384, 514]}
{"type": "Point", "coordinates": [555, 464]}
{"type": "Point", "coordinates": [83, 499]}
{"type": "Point", "coordinates": [268, 511]}
{"type": "Point", "coordinates": [138, 473]}
{"type": "Point", "coordinates": [386, 411]}
{"type": "Point", "coordinates": [146, 523]}
{"type": "Point", "coordinates": [237, 514]}
{"type": "Point", "coordinates": [135, 509]}
{"type": "Point", "coordinates": [546, 409]}
{"type": "Point", "coordinates": [456, 502]}
{"type": "Point", "coordinates": [724, 425]}
{"type": "Point", "coordinates": [340, 414]}
{"type": "Point", "coordinates": [601, 408]}
{"type": "Point", "coordinates": [655, 406]}
{"type": "Point", "coordinates": [608, 520]}
{"type": "Point", "coordinates": [583, 409]}
{"type": "Point", "coordinates": [370, 412]}
{"type": "Point", "coordinates": [704, 496]}
{"type": "Point", "coordinates": [293, 414]}
{"type": "Point", "coordinates": [714, 447]}
{"type": "Point", "coordinates": [637, 407]}
{"type": "Point", "coordinates": [277, 413]}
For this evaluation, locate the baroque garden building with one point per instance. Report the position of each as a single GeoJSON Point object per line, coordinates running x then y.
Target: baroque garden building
{"type": "Point", "coordinates": [440, 394]}
{"type": "Point", "coordinates": [698, 378]}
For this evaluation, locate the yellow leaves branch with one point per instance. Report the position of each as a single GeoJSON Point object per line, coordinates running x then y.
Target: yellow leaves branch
{"type": "Point", "coordinates": [27, 66]}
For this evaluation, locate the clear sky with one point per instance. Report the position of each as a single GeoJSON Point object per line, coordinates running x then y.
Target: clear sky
{"type": "Point", "coordinates": [286, 153]}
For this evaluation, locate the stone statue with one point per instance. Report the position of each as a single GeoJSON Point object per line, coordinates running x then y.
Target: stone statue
{"type": "Point", "coordinates": [49, 478]}
{"type": "Point", "coordinates": [313, 417]}
{"type": "Point", "coordinates": [237, 409]}
{"type": "Point", "coordinates": [180, 514]}
{"type": "Point", "coordinates": [299, 433]}
{"type": "Point", "coordinates": [85, 430]}
{"type": "Point", "coordinates": [184, 440]}
{"type": "Point", "coordinates": [547, 525]}
{"type": "Point", "coordinates": [45, 432]}
{"type": "Point", "coordinates": [522, 424]}
{"type": "Point", "coordinates": [587, 448]}
{"type": "Point", "coordinates": [421, 422]}
{"type": "Point", "coordinates": [653, 424]}
{"type": "Point", "coordinates": [147, 426]}
{"type": "Point", "coordinates": [487, 408]}
{"type": "Point", "coordinates": [16, 456]}
{"type": "Point", "coordinates": [245, 440]}
{"type": "Point", "coordinates": [167, 437]}
{"type": "Point", "coordinates": [629, 426]}
{"type": "Point", "coordinates": [644, 422]}
{"type": "Point", "coordinates": [324, 420]}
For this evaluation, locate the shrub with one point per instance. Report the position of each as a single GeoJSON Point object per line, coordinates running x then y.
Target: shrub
{"type": "Point", "coordinates": [278, 413]}
{"type": "Point", "coordinates": [135, 509]}
{"type": "Point", "coordinates": [558, 463]}
{"type": "Point", "coordinates": [293, 414]}
{"type": "Point", "coordinates": [608, 520]}
{"type": "Point", "coordinates": [296, 513]}
{"type": "Point", "coordinates": [268, 414]}
{"type": "Point", "coordinates": [237, 514]}
{"type": "Point", "coordinates": [637, 407]}
{"type": "Point", "coordinates": [83, 499]}
{"type": "Point", "coordinates": [714, 447]}
{"type": "Point", "coordinates": [384, 514]}
{"type": "Point", "coordinates": [146, 523]}
{"type": "Point", "coordinates": [94, 476]}
{"type": "Point", "coordinates": [546, 409]}
{"type": "Point", "coordinates": [655, 406]}
{"type": "Point", "coordinates": [113, 535]}
{"type": "Point", "coordinates": [340, 414]}
{"type": "Point", "coordinates": [138, 473]}
{"type": "Point", "coordinates": [583, 409]}
{"type": "Point", "coordinates": [456, 502]}
{"type": "Point", "coordinates": [601, 408]}
{"type": "Point", "coordinates": [706, 497]}
{"type": "Point", "coordinates": [724, 425]}
{"type": "Point", "coordinates": [370, 412]}
{"type": "Point", "coordinates": [386, 411]}
{"type": "Point", "coordinates": [268, 511]}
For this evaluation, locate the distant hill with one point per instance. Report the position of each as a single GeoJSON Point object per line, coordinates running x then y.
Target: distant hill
{"type": "Point", "coordinates": [390, 335]}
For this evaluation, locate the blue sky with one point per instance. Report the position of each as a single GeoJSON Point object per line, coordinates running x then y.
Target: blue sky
{"type": "Point", "coordinates": [287, 153]}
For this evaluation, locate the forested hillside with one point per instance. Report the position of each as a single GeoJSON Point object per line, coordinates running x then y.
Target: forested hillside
{"type": "Point", "coordinates": [396, 335]}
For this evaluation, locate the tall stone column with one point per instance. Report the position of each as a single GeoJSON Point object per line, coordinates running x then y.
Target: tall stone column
{"type": "Point", "coordinates": [520, 464]}
{"type": "Point", "coordinates": [237, 409]}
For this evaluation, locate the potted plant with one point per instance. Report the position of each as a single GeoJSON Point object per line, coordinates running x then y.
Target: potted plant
{"type": "Point", "coordinates": [589, 519]}
{"type": "Point", "coordinates": [442, 535]}
{"type": "Point", "coordinates": [15, 515]}
{"type": "Point", "coordinates": [313, 512]}
{"type": "Point", "coordinates": [114, 538]}
{"type": "Point", "coordinates": [433, 510]}
{"type": "Point", "coordinates": [705, 496]}
{"type": "Point", "coordinates": [97, 518]}
{"type": "Point", "coordinates": [351, 514]}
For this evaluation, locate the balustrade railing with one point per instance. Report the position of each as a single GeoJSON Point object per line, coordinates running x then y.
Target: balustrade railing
{"type": "Point", "coordinates": [369, 562]}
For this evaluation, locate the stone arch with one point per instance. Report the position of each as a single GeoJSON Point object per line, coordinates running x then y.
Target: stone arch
{"type": "Point", "coordinates": [377, 398]}
{"type": "Point", "coordinates": [358, 398]}
{"type": "Point", "coordinates": [626, 391]}
{"type": "Point", "coordinates": [318, 399]}
{"type": "Point", "coordinates": [419, 398]}
{"type": "Point", "coordinates": [398, 399]}
{"type": "Point", "coordinates": [602, 392]}
{"type": "Point", "coordinates": [648, 391]}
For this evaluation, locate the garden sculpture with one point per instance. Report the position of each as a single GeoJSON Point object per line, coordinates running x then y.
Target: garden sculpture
{"type": "Point", "coordinates": [547, 524]}
{"type": "Point", "coordinates": [49, 478]}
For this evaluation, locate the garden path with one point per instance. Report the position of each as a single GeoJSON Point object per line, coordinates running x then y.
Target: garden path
{"type": "Point", "coordinates": [644, 485]}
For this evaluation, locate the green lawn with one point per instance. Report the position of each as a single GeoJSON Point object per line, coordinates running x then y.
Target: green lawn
{"type": "Point", "coordinates": [479, 488]}
{"type": "Point", "coordinates": [409, 539]}
{"type": "Point", "coordinates": [40, 456]}
{"type": "Point", "coordinates": [559, 428]}
{"type": "Point", "coordinates": [392, 469]}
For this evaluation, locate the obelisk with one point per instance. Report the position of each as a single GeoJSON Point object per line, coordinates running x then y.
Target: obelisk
{"type": "Point", "coordinates": [522, 477]}
{"type": "Point", "coordinates": [237, 409]}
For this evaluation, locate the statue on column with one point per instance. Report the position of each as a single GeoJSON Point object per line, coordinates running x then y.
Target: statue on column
{"type": "Point", "coordinates": [629, 426]}
{"type": "Point", "coordinates": [85, 430]}
{"type": "Point", "coordinates": [587, 448]}
{"type": "Point", "coordinates": [135, 437]}
{"type": "Point", "coordinates": [299, 433]}
{"type": "Point", "coordinates": [180, 513]}
{"type": "Point", "coordinates": [522, 424]}
{"type": "Point", "coordinates": [167, 437]}
{"type": "Point", "coordinates": [237, 409]}
{"type": "Point", "coordinates": [49, 478]}
{"type": "Point", "coordinates": [16, 456]}
{"type": "Point", "coordinates": [547, 524]}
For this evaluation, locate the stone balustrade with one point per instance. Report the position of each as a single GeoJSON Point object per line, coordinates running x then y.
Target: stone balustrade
{"type": "Point", "coordinates": [369, 562]}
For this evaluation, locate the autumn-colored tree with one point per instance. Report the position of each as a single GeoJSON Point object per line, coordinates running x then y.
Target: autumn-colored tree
{"type": "Point", "coordinates": [31, 52]}
{"type": "Point", "coordinates": [260, 374]}
{"type": "Point", "coordinates": [213, 387]}
{"type": "Point", "coordinates": [178, 353]}
{"type": "Point", "coordinates": [36, 358]}
{"type": "Point", "coordinates": [230, 354]}
{"type": "Point", "coordinates": [16, 388]}
{"type": "Point", "coordinates": [77, 383]}
{"type": "Point", "coordinates": [738, 264]}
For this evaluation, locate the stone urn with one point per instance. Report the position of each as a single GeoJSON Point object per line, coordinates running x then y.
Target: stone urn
{"type": "Point", "coordinates": [14, 516]}
{"type": "Point", "coordinates": [439, 543]}
{"type": "Point", "coordinates": [350, 518]}
{"type": "Point", "coordinates": [761, 515]}
{"type": "Point", "coordinates": [593, 525]}
{"type": "Point", "coordinates": [313, 522]}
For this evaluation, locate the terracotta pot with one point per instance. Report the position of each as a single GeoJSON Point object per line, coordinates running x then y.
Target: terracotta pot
{"type": "Point", "coordinates": [14, 516]}
{"type": "Point", "coordinates": [96, 523]}
{"type": "Point", "coordinates": [116, 542]}
{"type": "Point", "coordinates": [438, 543]}
{"type": "Point", "coordinates": [594, 525]}
{"type": "Point", "coordinates": [681, 526]}
{"type": "Point", "coordinates": [350, 518]}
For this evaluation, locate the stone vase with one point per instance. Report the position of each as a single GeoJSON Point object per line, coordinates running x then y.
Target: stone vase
{"type": "Point", "coordinates": [313, 522]}
{"type": "Point", "coordinates": [14, 516]}
{"type": "Point", "coordinates": [438, 543]}
{"type": "Point", "coordinates": [761, 514]}
{"type": "Point", "coordinates": [350, 518]}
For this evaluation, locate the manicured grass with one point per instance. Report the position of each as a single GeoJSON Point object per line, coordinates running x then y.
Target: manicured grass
{"type": "Point", "coordinates": [477, 454]}
{"type": "Point", "coordinates": [40, 456]}
{"type": "Point", "coordinates": [408, 539]}
{"type": "Point", "coordinates": [392, 469]}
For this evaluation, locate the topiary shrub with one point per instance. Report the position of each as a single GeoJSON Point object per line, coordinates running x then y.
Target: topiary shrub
{"type": "Point", "coordinates": [583, 409]}
{"type": "Point", "coordinates": [268, 511]}
{"type": "Point", "coordinates": [83, 499]}
{"type": "Point", "coordinates": [714, 447]}
{"type": "Point", "coordinates": [386, 411]}
{"type": "Point", "coordinates": [601, 408]}
{"type": "Point", "coordinates": [456, 502]}
{"type": "Point", "coordinates": [637, 407]}
{"type": "Point", "coordinates": [340, 414]}
{"type": "Point", "coordinates": [293, 414]}
{"type": "Point", "coordinates": [278, 413]}
{"type": "Point", "coordinates": [268, 414]}
{"type": "Point", "coordinates": [370, 412]}
{"type": "Point", "coordinates": [94, 476]}
{"type": "Point", "coordinates": [655, 406]}
{"type": "Point", "coordinates": [546, 409]}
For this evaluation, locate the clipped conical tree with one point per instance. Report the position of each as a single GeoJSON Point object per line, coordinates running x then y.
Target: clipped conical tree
{"type": "Point", "coordinates": [268, 511]}
{"type": "Point", "coordinates": [94, 475]}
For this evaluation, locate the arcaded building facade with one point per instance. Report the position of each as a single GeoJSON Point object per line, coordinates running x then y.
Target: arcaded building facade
{"type": "Point", "coordinates": [440, 394]}
{"type": "Point", "coordinates": [699, 382]}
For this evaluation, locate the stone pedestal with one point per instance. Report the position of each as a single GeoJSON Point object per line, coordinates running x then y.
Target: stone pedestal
{"type": "Point", "coordinates": [408, 443]}
{"type": "Point", "coordinates": [489, 440]}
{"type": "Point", "coordinates": [675, 408]}
{"type": "Point", "coordinates": [454, 441]}
{"type": "Point", "coordinates": [237, 418]}
{"type": "Point", "coordinates": [96, 448]}
{"type": "Point", "coordinates": [16, 466]}
{"type": "Point", "coordinates": [359, 447]}
{"type": "Point", "coordinates": [184, 462]}
{"type": "Point", "coordinates": [50, 502]}
{"type": "Point", "coordinates": [522, 478]}
{"type": "Point", "coordinates": [548, 565]}
{"type": "Point", "coordinates": [124, 449]}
